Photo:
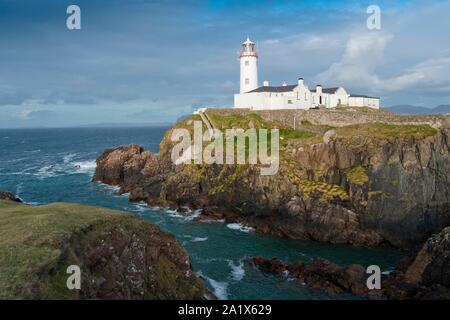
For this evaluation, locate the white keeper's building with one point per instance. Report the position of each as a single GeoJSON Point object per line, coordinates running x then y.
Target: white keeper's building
{"type": "Point", "coordinates": [297, 96]}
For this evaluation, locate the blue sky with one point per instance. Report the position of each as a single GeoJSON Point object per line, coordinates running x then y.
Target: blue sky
{"type": "Point", "coordinates": [142, 61]}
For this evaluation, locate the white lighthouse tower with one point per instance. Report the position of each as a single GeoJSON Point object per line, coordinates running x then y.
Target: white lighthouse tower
{"type": "Point", "coordinates": [249, 67]}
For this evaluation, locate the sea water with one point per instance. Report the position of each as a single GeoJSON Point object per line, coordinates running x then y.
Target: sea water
{"type": "Point", "coordinates": [56, 165]}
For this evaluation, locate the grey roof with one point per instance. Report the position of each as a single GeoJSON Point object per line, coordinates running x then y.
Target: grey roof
{"type": "Point", "coordinates": [362, 96]}
{"type": "Point", "coordinates": [287, 88]}
{"type": "Point", "coordinates": [328, 90]}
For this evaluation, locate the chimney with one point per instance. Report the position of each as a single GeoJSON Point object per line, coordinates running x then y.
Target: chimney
{"type": "Point", "coordinates": [266, 83]}
{"type": "Point", "coordinates": [300, 81]}
{"type": "Point", "coordinates": [319, 88]}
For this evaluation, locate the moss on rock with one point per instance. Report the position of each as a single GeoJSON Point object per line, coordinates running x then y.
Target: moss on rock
{"type": "Point", "coordinates": [357, 175]}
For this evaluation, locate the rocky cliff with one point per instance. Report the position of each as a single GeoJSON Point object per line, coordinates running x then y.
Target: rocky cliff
{"type": "Point", "coordinates": [120, 256]}
{"type": "Point", "coordinates": [424, 275]}
{"type": "Point", "coordinates": [362, 184]}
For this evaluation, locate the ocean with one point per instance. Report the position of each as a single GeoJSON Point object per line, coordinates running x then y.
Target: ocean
{"type": "Point", "coordinates": [56, 165]}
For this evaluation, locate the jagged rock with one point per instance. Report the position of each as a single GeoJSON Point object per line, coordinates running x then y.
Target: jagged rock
{"type": "Point", "coordinates": [432, 263]}
{"type": "Point", "coordinates": [329, 136]}
{"type": "Point", "coordinates": [362, 189]}
{"type": "Point", "coordinates": [321, 275]}
{"type": "Point", "coordinates": [424, 276]}
{"type": "Point", "coordinates": [4, 195]}
{"type": "Point", "coordinates": [119, 255]}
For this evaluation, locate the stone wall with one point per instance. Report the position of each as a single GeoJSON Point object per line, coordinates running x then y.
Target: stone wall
{"type": "Point", "coordinates": [338, 118]}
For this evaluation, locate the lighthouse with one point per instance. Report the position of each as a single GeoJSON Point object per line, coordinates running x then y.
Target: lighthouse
{"type": "Point", "coordinates": [249, 66]}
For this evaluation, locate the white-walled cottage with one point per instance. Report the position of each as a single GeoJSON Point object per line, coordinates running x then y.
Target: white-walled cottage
{"type": "Point", "coordinates": [297, 96]}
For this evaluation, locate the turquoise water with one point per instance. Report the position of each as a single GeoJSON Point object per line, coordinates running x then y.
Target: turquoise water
{"type": "Point", "coordinates": [48, 165]}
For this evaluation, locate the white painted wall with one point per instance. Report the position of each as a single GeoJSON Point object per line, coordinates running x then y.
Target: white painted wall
{"type": "Point", "coordinates": [364, 102]}
{"type": "Point", "coordinates": [301, 98]}
{"type": "Point", "coordinates": [249, 73]}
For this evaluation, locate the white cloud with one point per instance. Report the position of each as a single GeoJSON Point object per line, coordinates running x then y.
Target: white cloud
{"type": "Point", "coordinates": [358, 65]}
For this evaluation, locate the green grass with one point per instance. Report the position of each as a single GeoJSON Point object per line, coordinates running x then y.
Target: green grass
{"type": "Point", "coordinates": [30, 236]}
{"type": "Point", "coordinates": [390, 132]}
{"type": "Point", "coordinates": [288, 133]}
{"type": "Point", "coordinates": [358, 176]}
{"type": "Point", "coordinates": [38, 243]}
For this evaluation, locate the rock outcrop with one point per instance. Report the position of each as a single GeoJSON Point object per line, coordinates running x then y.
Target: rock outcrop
{"type": "Point", "coordinates": [322, 275]}
{"type": "Point", "coordinates": [119, 255]}
{"type": "Point", "coordinates": [364, 184]}
{"type": "Point", "coordinates": [426, 275]}
{"type": "Point", "coordinates": [5, 195]}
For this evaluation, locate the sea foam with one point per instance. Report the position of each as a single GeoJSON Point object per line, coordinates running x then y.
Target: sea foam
{"type": "Point", "coordinates": [237, 271]}
{"type": "Point", "coordinates": [240, 227]}
{"type": "Point", "coordinates": [220, 289]}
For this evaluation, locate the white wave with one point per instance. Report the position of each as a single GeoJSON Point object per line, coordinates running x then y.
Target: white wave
{"type": "Point", "coordinates": [189, 216]}
{"type": "Point", "coordinates": [240, 227]}
{"type": "Point", "coordinates": [21, 173]}
{"type": "Point", "coordinates": [199, 239]}
{"type": "Point", "coordinates": [69, 157]}
{"type": "Point", "coordinates": [219, 288]}
{"type": "Point", "coordinates": [33, 151]}
{"type": "Point", "coordinates": [195, 214]}
{"type": "Point", "coordinates": [237, 271]}
{"type": "Point", "coordinates": [67, 167]}
{"type": "Point", "coordinates": [33, 203]}
{"type": "Point", "coordinates": [46, 172]}
{"type": "Point", "coordinates": [85, 166]}
{"type": "Point", "coordinates": [19, 189]}
{"type": "Point", "coordinates": [109, 187]}
{"type": "Point", "coordinates": [140, 207]}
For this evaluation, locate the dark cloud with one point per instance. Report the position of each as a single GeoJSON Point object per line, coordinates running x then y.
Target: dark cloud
{"type": "Point", "coordinates": [176, 56]}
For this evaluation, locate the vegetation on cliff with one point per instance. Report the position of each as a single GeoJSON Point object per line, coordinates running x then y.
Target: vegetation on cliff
{"type": "Point", "coordinates": [120, 256]}
{"type": "Point", "coordinates": [357, 175]}
{"type": "Point", "coordinates": [365, 183]}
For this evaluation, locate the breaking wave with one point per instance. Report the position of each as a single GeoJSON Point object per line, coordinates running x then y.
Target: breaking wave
{"type": "Point", "coordinates": [188, 216]}
{"type": "Point", "coordinates": [240, 227]}
{"type": "Point", "coordinates": [220, 289]}
{"type": "Point", "coordinates": [237, 271]}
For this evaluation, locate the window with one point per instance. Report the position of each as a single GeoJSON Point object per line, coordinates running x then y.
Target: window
{"type": "Point", "coordinates": [289, 101]}
{"type": "Point", "coordinates": [247, 81]}
{"type": "Point", "coordinates": [247, 63]}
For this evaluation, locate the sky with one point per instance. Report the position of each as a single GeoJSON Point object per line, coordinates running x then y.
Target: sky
{"type": "Point", "coordinates": [139, 61]}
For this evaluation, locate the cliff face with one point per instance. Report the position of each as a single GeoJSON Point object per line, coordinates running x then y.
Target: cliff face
{"type": "Point", "coordinates": [120, 256]}
{"type": "Point", "coordinates": [361, 184]}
